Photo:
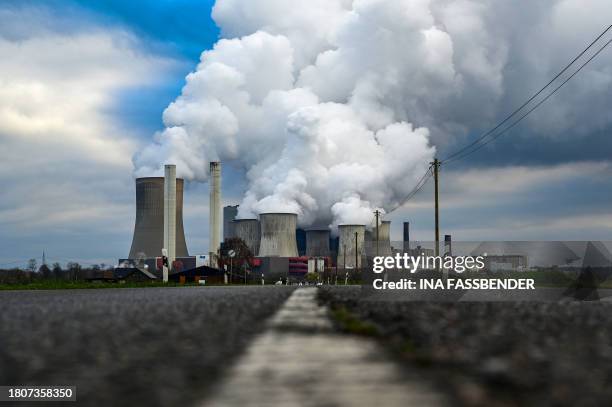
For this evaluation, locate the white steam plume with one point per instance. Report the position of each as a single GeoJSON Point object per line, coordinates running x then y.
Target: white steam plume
{"type": "Point", "coordinates": [327, 105]}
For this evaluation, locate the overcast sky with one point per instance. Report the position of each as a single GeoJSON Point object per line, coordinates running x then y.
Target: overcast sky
{"type": "Point", "coordinates": [84, 84]}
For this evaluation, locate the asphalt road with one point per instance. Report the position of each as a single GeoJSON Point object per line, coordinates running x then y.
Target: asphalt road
{"type": "Point", "coordinates": [496, 353]}
{"type": "Point", "coordinates": [172, 346]}
{"type": "Point", "coordinates": [130, 347]}
{"type": "Point", "coordinates": [301, 361]}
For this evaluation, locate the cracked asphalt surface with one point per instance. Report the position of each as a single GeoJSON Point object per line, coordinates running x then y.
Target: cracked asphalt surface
{"type": "Point", "coordinates": [128, 347]}
{"type": "Point", "coordinates": [496, 353]}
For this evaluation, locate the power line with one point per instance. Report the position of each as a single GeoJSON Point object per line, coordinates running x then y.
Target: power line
{"type": "Point", "coordinates": [419, 185]}
{"type": "Point", "coordinates": [460, 152]}
{"type": "Point", "coordinates": [478, 147]}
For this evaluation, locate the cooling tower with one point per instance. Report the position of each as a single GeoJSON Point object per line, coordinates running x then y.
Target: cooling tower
{"type": "Point", "coordinates": [278, 235]}
{"type": "Point", "coordinates": [317, 242]}
{"type": "Point", "coordinates": [351, 247]}
{"type": "Point", "coordinates": [170, 214]}
{"type": "Point", "coordinates": [148, 237]}
{"type": "Point", "coordinates": [248, 231]}
{"type": "Point", "coordinates": [384, 239]}
{"type": "Point", "coordinates": [214, 227]}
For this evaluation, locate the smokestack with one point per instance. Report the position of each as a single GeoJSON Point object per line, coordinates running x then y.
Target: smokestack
{"type": "Point", "coordinates": [170, 214]}
{"type": "Point", "coordinates": [214, 227]}
{"type": "Point", "coordinates": [317, 242]}
{"type": "Point", "coordinates": [406, 237]}
{"type": "Point", "coordinates": [278, 235]}
{"type": "Point", "coordinates": [348, 245]}
{"type": "Point", "coordinates": [248, 231]}
{"type": "Point", "coordinates": [148, 239]}
{"type": "Point", "coordinates": [448, 250]}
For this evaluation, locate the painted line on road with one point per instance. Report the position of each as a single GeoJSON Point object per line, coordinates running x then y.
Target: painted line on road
{"type": "Point", "coordinates": [300, 361]}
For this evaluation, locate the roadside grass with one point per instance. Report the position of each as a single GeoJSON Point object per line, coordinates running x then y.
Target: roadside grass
{"type": "Point", "coordinates": [351, 324]}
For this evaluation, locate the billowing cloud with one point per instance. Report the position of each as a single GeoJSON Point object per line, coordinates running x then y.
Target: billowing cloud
{"type": "Point", "coordinates": [330, 108]}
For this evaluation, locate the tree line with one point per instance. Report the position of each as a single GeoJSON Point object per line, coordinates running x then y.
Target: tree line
{"type": "Point", "coordinates": [73, 271]}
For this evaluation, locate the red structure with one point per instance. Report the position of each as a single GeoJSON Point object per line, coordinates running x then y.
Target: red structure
{"type": "Point", "coordinates": [298, 265]}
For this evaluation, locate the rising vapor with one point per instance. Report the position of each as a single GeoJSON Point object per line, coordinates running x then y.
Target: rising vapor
{"type": "Point", "coordinates": [329, 106]}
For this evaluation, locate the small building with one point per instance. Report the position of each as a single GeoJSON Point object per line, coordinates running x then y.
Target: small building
{"type": "Point", "coordinates": [272, 268]}
{"type": "Point", "coordinates": [506, 262]}
{"type": "Point", "coordinates": [194, 275]}
{"type": "Point", "coordinates": [133, 274]}
{"type": "Point", "coordinates": [155, 264]}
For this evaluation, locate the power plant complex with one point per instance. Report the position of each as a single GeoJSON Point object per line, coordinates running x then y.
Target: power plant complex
{"type": "Point", "coordinates": [277, 248]}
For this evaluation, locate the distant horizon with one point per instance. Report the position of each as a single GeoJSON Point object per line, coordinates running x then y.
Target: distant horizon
{"type": "Point", "coordinates": [96, 92]}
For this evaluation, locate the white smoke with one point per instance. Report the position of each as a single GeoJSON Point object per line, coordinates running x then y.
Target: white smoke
{"type": "Point", "coordinates": [328, 105]}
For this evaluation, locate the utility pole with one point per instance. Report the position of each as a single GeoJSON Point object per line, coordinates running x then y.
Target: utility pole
{"type": "Point", "coordinates": [377, 213]}
{"type": "Point", "coordinates": [336, 277]}
{"type": "Point", "coordinates": [165, 265]}
{"type": "Point", "coordinates": [436, 167]}
{"type": "Point", "coordinates": [356, 251]}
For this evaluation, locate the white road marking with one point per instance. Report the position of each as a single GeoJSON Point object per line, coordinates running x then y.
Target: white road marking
{"type": "Point", "coordinates": [300, 361]}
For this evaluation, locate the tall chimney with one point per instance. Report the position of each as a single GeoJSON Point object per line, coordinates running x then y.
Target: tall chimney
{"type": "Point", "coordinates": [448, 249]}
{"type": "Point", "coordinates": [214, 227]}
{"type": "Point", "coordinates": [170, 214]}
{"type": "Point", "coordinates": [406, 237]}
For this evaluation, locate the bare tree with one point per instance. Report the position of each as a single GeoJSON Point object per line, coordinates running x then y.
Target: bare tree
{"type": "Point", "coordinates": [74, 270]}
{"type": "Point", "coordinates": [32, 265]}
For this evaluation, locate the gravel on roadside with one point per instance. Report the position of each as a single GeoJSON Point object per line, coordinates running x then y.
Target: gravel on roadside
{"type": "Point", "coordinates": [493, 354]}
{"type": "Point", "coordinates": [130, 347]}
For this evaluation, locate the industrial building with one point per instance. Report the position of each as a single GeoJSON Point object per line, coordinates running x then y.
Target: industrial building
{"type": "Point", "coordinates": [351, 253]}
{"type": "Point", "coordinates": [278, 235]}
{"type": "Point", "coordinates": [317, 242]}
{"type": "Point", "coordinates": [214, 228]}
{"type": "Point", "coordinates": [148, 239]}
{"type": "Point", "coordinates": [382, 245]}
{"type": "Point", "coordinates": [248, 231]}
{"type": "Point", "coordinates": [229, 215]}
{"type": "Point", "coordinates": [279, 248]}
{"type": "Point", "coordinates": [158, 226]}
